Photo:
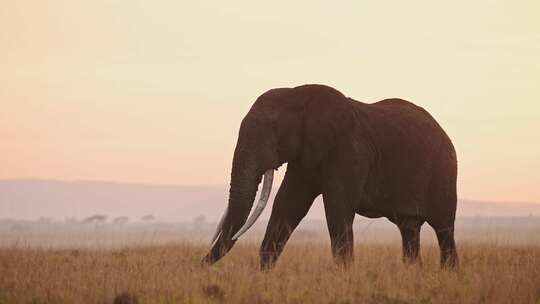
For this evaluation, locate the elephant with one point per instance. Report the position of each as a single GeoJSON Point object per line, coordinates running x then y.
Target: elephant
{"type": "Point", "coordinates": [385, 159]}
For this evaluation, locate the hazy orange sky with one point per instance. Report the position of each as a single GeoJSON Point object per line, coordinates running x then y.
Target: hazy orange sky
{"type": "Point", "coordinates": [154, 91]}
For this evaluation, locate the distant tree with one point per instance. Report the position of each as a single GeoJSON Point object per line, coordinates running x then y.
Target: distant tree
{"type": "Point", "coordinates": [97, 219]}
{"type": "Point", "coordinates": [148, 218]}
{"type": "Point", "coordinates": [199, 220]}
{"type": "Point", "coordinates": [70, 220]}
{"type": "Point", "coordinates": [17, 227]}
{"type": "Point", "coordinates": [198, 223]}
{"type": "Point", "coordinates": [120, 220]}
{"type": "Point", "coordinates": [45, 220]}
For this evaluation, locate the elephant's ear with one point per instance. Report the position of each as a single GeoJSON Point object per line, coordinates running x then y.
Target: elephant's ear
{"type": "Point", "coordinates": [327, 118]}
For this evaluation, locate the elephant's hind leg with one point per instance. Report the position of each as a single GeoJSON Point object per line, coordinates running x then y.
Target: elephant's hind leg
{"type": "Point", "coordinates": [442, 212]}
{"type": "Point", "coordinates": [449, 257]}
{"type": "Point", "coordinates": [292, 202]}
{"type": "Point", "coordinates": [410, 236]}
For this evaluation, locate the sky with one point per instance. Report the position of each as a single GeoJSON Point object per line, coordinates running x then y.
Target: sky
{"type": "Point", "coordinates": [154, 91]}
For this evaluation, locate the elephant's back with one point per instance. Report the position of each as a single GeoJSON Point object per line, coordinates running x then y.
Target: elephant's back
{"type": "Point", "coordinates": [402, 123]}
{"type": "Point", "coordinates": [412, 148]}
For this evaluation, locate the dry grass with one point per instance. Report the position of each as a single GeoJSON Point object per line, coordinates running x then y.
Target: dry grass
{"type": "Point", "coordinates": [304, 274]}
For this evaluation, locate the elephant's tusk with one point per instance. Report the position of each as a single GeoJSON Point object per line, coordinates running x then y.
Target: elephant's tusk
{"type": "Point", "coordinates": [219, 227]}
{"type": "Point", "coordinates": [265, 194]}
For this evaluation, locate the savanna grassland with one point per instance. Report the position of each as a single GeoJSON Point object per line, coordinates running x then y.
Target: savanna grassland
{"type": "Point", "coordinates": [489, 273]}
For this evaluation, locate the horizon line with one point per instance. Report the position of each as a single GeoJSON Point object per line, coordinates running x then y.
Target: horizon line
{"type": "Point", "coordinates": [214, 186]}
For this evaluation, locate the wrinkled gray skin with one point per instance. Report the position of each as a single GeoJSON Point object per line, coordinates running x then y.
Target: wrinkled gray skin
{"type": "Point", "coordinates": [387, 159]}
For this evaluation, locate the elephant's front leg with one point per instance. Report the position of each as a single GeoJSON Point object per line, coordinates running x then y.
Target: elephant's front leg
{"type": "Point", "coordinates": [292, 202]}
{"type": "Point", "coordinates": [339, 218]}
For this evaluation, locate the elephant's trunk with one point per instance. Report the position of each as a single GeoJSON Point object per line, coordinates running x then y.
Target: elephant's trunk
{"type": "Point", "coordinates": [265, 194]}
{"type": "Point", "coordinates": [245, 178]}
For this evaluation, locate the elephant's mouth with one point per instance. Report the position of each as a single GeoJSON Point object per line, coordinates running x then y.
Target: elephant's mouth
{"type": "Point", "coordinates": [268, 178]}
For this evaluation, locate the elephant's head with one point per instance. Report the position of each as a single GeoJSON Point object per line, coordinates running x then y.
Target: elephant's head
{"type": "Point", "coordinates": [284, 125]}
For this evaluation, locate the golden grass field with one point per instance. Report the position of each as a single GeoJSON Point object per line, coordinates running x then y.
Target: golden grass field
{"type": "Point", "coordinates": [305, 273]}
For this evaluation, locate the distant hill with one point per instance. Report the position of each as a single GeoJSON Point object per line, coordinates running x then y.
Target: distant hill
{"type": "Point", "coordinates": [32, 199]}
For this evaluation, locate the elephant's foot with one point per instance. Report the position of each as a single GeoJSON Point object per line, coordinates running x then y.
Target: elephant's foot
{"type": "Point", "coordinates": [268, 260]}
{"type": "Point", "coordinates": [449, 260]}
{"type": "Point", "coordinates": [412, 261]}
{"type": "Point", "coordinates": [343, 255]}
